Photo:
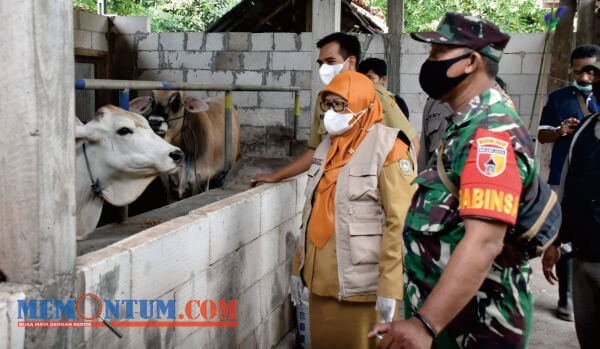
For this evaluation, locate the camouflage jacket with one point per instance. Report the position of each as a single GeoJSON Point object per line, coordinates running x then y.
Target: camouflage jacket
{"type": "Point", "coordinates": [502, 308]}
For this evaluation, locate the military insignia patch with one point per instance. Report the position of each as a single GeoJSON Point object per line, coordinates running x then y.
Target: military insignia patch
{"type": "Point", "coordinates": [405, 167]}
{"type": "Point", "coordinates": [491, 156]}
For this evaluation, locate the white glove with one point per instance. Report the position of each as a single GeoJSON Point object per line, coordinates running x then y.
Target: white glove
{"type": "Point", "coordinates": [385, 306]}
{"type": "Point", "coordinates": [296, 289]}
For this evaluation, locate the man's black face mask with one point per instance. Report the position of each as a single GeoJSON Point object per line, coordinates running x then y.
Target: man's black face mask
{"type": "Point", "coordinates": [434, 78]}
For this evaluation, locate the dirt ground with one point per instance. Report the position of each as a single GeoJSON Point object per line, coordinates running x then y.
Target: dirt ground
{"type": "Point", "coordinates": [548, 331]}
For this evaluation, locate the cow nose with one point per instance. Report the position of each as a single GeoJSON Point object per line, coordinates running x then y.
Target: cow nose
{"type": "Point", "coordinates": [177, 156]}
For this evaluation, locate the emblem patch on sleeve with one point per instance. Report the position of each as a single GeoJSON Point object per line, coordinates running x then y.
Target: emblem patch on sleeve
{"type": "Point", "coordinates": [405, 167]}
{"type": "Point", "coordinates": [490, 183]}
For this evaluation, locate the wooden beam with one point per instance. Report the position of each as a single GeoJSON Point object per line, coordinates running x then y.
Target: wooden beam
{"type": "Point", "coordinates": [393, 43]}
{"type": "Point", "coordinates": [588, 23]}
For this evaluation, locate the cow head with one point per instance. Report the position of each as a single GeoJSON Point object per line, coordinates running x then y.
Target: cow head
{"type": "Point", "coordinates": [124, 153]}
{"type": "Point", "coordinates": [164, 109]}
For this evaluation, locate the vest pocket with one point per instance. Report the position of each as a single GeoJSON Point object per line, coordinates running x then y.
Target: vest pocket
{"type": "Point", "coordinates": [365, 242]}
{"type": "Point", "coordinates": [313, 170]}
{"type": "Point", "coordinates": [362, 183]}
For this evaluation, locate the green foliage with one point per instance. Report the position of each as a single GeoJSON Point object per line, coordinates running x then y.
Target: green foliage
{"type": "Point", "coordinates": [516, 16]}
{"type": "Point", "coordinates": [167, 15]}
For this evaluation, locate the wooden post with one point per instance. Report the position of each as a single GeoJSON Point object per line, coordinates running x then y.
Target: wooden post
{"type": "Point", "coordinates": [326, 19]}
{"type": "Point", "coordinates": [393, 43]}
{"type": "Point", "coordinates": [562, 46]}
{"type": "Point", "coordinates": [37, 156]}
{"type": "Point", "coordinates": [588, 23]}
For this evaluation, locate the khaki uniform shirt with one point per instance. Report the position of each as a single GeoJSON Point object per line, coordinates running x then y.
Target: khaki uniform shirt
{"type": "Point", "coordinates": [320, 272]}
{"type": "Point", "coordinates": [392, 117]}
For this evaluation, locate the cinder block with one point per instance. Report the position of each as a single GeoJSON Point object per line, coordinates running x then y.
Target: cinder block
{"type": "Point", "coordinates": [278, 78]}
{"type": "Point", "coordinates": [148, 60]}
{"type": "Point", "coordinates": [274, 289]}
{"type": "Point", "coordinates": [409, 83]}
{"type": "Point", "coordinates": [248, 78]}
{"type": "Point", "coordinates": [303, 79]}
{"type": "Point", "coordinates": [189, 60]}
{"type": "Point", "coordinates": [82, 39]}
{"type": "Point", "coordinates": [227, 60]}
{"type": "Point", "coordinates": [147, 41]}
{"type": "Point", "coordinates": [291, 60]}
{"type": "Point", "coordinates": [278, 324]}
{"type": "Point", "coordinates": [4, 334]}
{"type": "Point", "coordinates": [193, 289]}
{"type": "Point", "coordinates": [408, 45]}
{"type": "Point", "coordinates": [262, 117]}
{"type": "Point", "coordinates": [76, 25]}
{"type": "Point", "coordinates": [510, 64]}
{"type": "Point", "coordinates": [376, 44]}
{"type": "Point", "coordinates": [305, 98]}
{"type": "Point", "coordinates": [411, 63]}
{"type": "Point", "coordinates": [210, 77]}
{"type": "Point", "coordinates": [215, 42]}
{"type": "Point", "coordinates": [519, 84]}
{"type": "Point", "coordinates": [255, 60]}
{"type": "Point", "coordinates": [162, 75]}
{"type": "Point", "coordinates": [167, 255]}
{"type": "Point", "coordinates": [525, 103]}
{"type": "Point", "coordinates": [262, 41]}
{"type": "Point", "coordinates": [525, 42]}
{"type": "Point", "coordinates": [233, 223]}
{"type": "Point", "coordinates": [99, 42]}
{"type": "Point", "coordinates": [124, 43]}
{"type": "Point", "coordinates": [194, 41]}
{"type": "Point", "coordinates": [258, 258]}
{"type": "Point", "coordinates": [377, 55]}
{"type": "Point", "coordinates": [9, 298]}
{"type": "Point", "coordinates": [276, 99]}
{"type": "Point", "coordinates": [238, 41]}
{"type": "Point", "coordinates": [245, 99]}
{"type": "Point", "coordinates": [285, 41]}
{"type": "Point", "coordinates": [275, 207]}
{"type": "Point", "coordinates": [415, 103]}
{"type": "Point", "coordinates": [93, 22]}
{"type": "Point", "coordinates": [248, 312]}
{"type": "Point", "coordinates": [131, 24]}
{"type": "Point", "coordinates": [306, 115]}
{"type": "Point", "coordinates": [307, 44]}
{"type": "Point", "coordinates": [532, 63]}
{"type": "Point", "coordinates": [200, 338]}
{"type": "Point", "coordinates": [171, 41]}
{"type": "Point", "coordinates": [289, 233]}
{"type": "Point", "coordinates": [303, 134]}
{"type": "Point", "coordinates": [105, 273]}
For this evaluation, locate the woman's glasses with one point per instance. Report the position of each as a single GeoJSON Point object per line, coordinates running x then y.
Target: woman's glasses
{"type": "Point", "coordinates": [338, 106]}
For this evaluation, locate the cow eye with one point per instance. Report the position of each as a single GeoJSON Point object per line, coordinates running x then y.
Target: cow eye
{"type": "Point", "coordinates": [123, 131]}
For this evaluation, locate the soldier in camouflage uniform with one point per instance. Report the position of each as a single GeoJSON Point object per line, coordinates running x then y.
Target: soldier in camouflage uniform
{"type": "Point", "coordinates": [463, 289]}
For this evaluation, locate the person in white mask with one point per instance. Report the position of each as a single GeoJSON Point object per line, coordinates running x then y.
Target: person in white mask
{"type": "Point", "coordinates": [349, 252]}
{"type": "Point", "coordinates": [565, 109]}
{"type": "Point", "coordinates": [339, 52]}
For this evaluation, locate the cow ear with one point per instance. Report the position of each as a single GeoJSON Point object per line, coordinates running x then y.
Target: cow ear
{"type": "Point", "coordinates": [141, 105]}
{"type": "Point", "coordinates": [85, 133]}
{"type": "Point", "coordinates": [195, 105]}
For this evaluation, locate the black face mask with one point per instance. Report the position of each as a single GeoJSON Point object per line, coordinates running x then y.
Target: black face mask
{"type": "Point", "coordinates": [596, 91]}
{"type": "Point", "coordinates": [434, 79]}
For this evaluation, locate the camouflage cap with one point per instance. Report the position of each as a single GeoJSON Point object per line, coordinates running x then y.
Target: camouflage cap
{"type": "Point", "coordinates": [463, 30]}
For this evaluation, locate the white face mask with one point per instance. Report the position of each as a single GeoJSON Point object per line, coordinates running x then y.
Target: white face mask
{"type": "Point", "coordinates": [328, 72]}
{"type": "Point", "coordinates": [338, 123]}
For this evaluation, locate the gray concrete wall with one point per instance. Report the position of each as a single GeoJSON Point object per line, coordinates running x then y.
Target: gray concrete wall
{"type": "Point", "coordinates": [37, 196]}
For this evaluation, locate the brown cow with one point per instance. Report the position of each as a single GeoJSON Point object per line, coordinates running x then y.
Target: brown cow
{"type": "Point", "coordinates": [198, 128]}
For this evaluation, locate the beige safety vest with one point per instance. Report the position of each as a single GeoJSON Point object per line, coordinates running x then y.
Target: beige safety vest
{"type": "Point", "coordinates": [359, 214]}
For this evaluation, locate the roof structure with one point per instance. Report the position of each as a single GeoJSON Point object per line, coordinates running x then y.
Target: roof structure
{"type": "Point", "coordinates": [295, 16]}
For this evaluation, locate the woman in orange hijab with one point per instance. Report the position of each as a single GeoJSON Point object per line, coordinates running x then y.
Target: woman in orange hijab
{"type": "Point", "coordinates": [359, 188]}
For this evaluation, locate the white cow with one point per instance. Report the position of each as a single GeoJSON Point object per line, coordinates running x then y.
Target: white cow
{"type": "Point", "coordinates": [120, 150]}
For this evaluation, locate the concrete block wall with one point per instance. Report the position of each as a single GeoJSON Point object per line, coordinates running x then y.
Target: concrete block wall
{"type": "Point", "coordinates": [90, 31]}
{"type": "Point", "coordinates": [239, 248]}
{"type": "Point", "coordinates": [519, 67]}
{"type": "Point", "coordinates": [276, 59]}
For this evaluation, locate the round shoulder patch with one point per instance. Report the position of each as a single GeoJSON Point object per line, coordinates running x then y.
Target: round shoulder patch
{"type": "Point", "coordinates": [405, 167]}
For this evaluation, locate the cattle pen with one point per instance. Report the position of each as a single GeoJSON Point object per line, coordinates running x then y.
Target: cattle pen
{"type": "Point", "coordinates": [125, 85]}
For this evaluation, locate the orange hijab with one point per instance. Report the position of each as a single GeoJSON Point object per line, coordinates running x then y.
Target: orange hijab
{"type": "Point", "coordinates": [359, 92]}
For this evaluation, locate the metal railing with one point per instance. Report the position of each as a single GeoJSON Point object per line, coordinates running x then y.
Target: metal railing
{"type": "Point", "coordinates": [125, 85]}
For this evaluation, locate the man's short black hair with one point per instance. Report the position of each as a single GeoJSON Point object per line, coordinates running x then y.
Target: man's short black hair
{"type": "Point", "coordinates": [378, 66]}
{"type": "Point", "coordinates": [491, 66]}
{"type": "Point", "coordinates": [585, 51]}
{"type": "Point", "coordinates": [349, 44]}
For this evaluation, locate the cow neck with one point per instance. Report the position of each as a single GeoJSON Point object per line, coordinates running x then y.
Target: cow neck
{"type": "Point", "coordinates": [95, 183]}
